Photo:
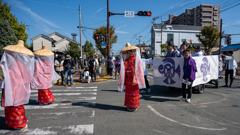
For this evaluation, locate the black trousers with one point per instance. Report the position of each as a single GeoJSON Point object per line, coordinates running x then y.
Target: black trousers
{"type": "Point", "coordinates": [189, 90]}
{"type": "Point", "coordinates": [146, 81]}
{"type": "Point", "coordinates": [226, 76]}
{"type": "Point", "coordinates": [62, 75]}
{"type": "Point", "coordinates": [92, 73]}
{"type": "Point", "coordinates": [110, 71]}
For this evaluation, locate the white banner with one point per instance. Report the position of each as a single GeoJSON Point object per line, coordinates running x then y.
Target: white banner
{"type": "Point", "coordinates": [169, 71]}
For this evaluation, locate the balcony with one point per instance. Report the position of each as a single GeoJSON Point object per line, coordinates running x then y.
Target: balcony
{"type": "Point", "coordinates": [207, 14]}
{"type": "Point", "coordinates": [207, 20]}
{"type": "Point", "coordinates": [207, 9]}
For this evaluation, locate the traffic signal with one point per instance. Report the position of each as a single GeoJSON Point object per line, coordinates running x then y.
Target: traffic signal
{"type": "Point", "coordinates": [97, 39]}
{"type": "Point", "coordinates": [228, 40]}
{"type": "Point", "coordinates": [144, 13]}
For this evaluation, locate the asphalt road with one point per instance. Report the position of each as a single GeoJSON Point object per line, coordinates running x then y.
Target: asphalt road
{"type": "Point", "coordinates": [98, 108]}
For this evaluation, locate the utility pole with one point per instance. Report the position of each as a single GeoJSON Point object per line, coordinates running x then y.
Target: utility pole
{"type": "Point", "coordinates": [220, 44]}
{"type": "Point", "coordinates": [140, 45]}
{"type": "Point", "coordinates": [80, 28]}
{"type": "Point", "coordinates": [161, 32]}
{"type": "Point", "coordinates": [108, 31]}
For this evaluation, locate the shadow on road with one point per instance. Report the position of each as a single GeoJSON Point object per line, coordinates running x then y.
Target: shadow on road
{"type": "Point", "coordinates": [111, 90]}
{"type": "Point", "coordinates": [102, 106]}
{"type": "Point", "coordinates": [3, 126]}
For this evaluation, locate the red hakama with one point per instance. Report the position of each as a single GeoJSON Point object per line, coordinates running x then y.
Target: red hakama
{"type": "Point", "coordinates": [45, 96]}
{"type": "Point", "coordinates": [131, 89]}
{"type": "Point", "coordinates": [15, 116]}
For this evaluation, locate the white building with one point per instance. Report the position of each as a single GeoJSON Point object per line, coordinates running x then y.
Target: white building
{"type": "Point", "coordinates": [177, 33]}
{"type": "Point", "coordinates": [54, 42]}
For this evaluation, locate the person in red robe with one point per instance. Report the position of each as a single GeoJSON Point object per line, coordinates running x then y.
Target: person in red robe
{"type": "Point", "coordinates": [132, 76]}
{"type": "Point", "coordinates": [17, 64]}
{"type": "Point", "coordinates": [44, 75]}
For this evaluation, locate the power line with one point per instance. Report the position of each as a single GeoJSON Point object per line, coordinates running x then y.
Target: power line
{"type": "Point", "coordinates": [230, 7]}
{"type": "Point", "coordinates": [91, 4]}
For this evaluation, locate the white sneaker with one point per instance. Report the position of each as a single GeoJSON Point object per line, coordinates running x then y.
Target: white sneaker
{"type": "Point", "coordinates": [182, 99]}
{"type": "Point", "coordinates": [149, 90]}
{"type": "Point", "coordinates": [188, 100]}
{"type": "Point", "coordinates": [142, 91]}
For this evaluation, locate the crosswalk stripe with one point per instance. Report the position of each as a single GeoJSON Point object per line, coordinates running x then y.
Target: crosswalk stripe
{"type": "Point", "coordinates": [61, 105]}
{"type": "Point", "coordinates": [65, 90]}
{"type": "Point", "coordinates": [69, 94]}
{"type": "Point", "coordinates": [79, 98]}
{"type": "Point", "coordinates": [86, 87]}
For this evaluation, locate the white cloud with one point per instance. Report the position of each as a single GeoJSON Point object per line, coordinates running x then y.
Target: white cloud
{"type": "Point", "coordinates": [35, 16]}
{"type": "Point", "coordinates": [99, 10]}
{"type": "Point", "coordinates": [121, 27]}
{"type": "Point", "coordinates": [121, 32]}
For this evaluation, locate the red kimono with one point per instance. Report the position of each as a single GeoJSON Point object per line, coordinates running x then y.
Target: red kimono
{"type": "Point", "coordinates": [131, 85]}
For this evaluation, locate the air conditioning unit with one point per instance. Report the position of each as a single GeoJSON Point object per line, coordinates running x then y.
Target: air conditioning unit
{"type": "Point", "coordinates": [215, 8]}
{"type": "Point", "coordinates": [215, 23]}
{"type": "Point", "coordinates": [215, 13]}
{"type": "Point", "coordinates": [215, 18]}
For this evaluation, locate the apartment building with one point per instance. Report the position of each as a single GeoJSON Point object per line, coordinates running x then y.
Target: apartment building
{"type": "Point", "coordinates": [201, 15]}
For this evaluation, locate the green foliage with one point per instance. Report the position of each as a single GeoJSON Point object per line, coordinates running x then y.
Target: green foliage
{"type": "Point", "coordinates": [73, 50]}
{"type": "Point", "coordinates": [209, 37]}
{"type": "Point", "coordinates": [88, 48]}
{"type": "Point", "coordinates": [164, 48]}
{"type": "Point", "coordinates": [19, 29]}
{"type": "Point", "coordinates": [7, 35]}
{"type": "Point", "coordinates": [103, 31]}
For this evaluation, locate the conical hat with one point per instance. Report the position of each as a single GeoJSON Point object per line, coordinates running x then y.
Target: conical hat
{"type": "Point", "coordinates": [19, 48]}
{"type": "Point", "coordinates": [44, 52]}
{"type": "Point", "coordinates": [129, 47]}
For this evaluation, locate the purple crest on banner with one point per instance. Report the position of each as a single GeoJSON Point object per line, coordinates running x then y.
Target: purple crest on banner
{"type": "Point", "coordinates": [205, 69]}
{"type": "Point", "coordinates": [168, 69]}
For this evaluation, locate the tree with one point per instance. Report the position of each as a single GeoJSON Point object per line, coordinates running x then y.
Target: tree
{"type": "Point", "coordinates": [19, 29]}
{"type": "Point", "coordinates": [73, 50]}
{"type": "Point", "coordinates": [88, 48]}
{"type": "Point", "coordinates": [7, 35]}
{"type": "Point", "coordinates": [103, 31]}
{"type": "Point", "coordinates": [209, 37]}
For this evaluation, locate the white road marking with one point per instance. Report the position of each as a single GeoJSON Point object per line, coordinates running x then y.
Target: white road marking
{"type": "Point", "coordinates": [92, 113]}
{"type": "Point", "coordinates": [69, 94]}
{"type": "Point", "coordinates": [160, 132]}
{"type": "Point", "coordinates": [87, 87]}
{"type": "Point", "coordinates": [157, 113]}
{"type": "Point", "coordinates": [61, 105]}
{"type": "Point", "coordinates": [79, 98]}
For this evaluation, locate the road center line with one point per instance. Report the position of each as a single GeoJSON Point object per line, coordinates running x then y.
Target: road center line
{"type": "Point", "coordinates": [204, 128]}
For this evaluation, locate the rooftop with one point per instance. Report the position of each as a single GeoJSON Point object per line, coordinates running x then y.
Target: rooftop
{"type": "Point", "coordinates": [178, 27]}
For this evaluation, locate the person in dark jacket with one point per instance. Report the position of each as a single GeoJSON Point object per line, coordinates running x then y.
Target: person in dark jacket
{"type": "Point", "coordinates": [189, 69]}
{"type": "Point", "coordinates": [92, 67]}
{"type": "Point", "coordinates": [110, 66]}
{"type": "Point", "coordinates": [68, 65]}
{"type": "Point", "coordinates": [170, 52]}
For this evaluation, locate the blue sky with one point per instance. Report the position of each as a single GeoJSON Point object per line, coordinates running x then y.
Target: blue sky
{"type": "Point", "coordinates": [62, 16]}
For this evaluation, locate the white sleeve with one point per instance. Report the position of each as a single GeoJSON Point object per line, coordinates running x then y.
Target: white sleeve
{"type": "Point", "coordinates": [228, 57]}
{"type": "Point", "coordinates": [94, 63]}
{"type": "Point", "coordinates": [2, 85]}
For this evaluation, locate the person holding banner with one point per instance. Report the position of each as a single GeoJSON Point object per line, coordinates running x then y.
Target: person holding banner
{"type": "Point", "coordinates": [189, 69]}
{"type": "Point", "coordinates": [228, 68]}
{"type": "Point", "coordinates": [171, 52]}
{"type": "Point", "coordinates": [131, 76]}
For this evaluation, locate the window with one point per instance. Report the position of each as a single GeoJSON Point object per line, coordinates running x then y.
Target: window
{"type": "Point", "coordinates": [170, 37]}
{"type": "Point", "coordinates": [215, 13]}
{"type": "Point", "coordinates": [215, 18]}
{"type": "Point", "coordinates": [215, 23]}
{"type": "Point", "coordinates": [215, 8]}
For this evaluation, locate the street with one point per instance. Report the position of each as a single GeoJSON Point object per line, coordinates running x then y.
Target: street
{"type": "Point", "coordinates": [98, 108]}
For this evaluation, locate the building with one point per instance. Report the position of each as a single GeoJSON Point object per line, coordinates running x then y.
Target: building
{"type": "Point", "coordinates": [201, 15]}
{"type": "Point", "coordinates": [54, 42]}
{"type": "Point", "coordinates": [176, 33]}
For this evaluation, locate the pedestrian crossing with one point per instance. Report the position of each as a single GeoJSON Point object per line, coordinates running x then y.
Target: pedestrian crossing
{"type": "Point", "coordinates": [73, 112]}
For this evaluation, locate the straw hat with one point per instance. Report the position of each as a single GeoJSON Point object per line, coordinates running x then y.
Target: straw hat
{"type": "Point", "coordinates": [44, 52]}
{"type": "Point", "coordinates": [129, 47]}
{"type": "Point", "coordinates": [68, 57]}
{"type": "Point", "coordinates": [19, 48]}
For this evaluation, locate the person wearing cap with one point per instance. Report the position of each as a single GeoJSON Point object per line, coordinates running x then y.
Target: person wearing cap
{"type": "Point", "coordinates": [117, 67]}
{"type": "Point", "coordinates": [183, 48]}
{"type": "Point", "coordinates": [170, 52]}
{"type": "Point", "coordinates": [198, 52]}
{"type": "Point", "coordinates": [92, 67]}
{"type": "Point", "coordinates": [131, 76]}
{"type": "Point", "coordinates": [176, 52]}
{"type": "Point", "coordinates": [68, 65]}
{"type": "Point", "coordinates": [81, 67]}
{"type": "Point", "coordinates": [17, 63]}
{"type": "Point", "coordinates": [44, 75]}
{"type": "Point", "coordinates": [228, 59]}
{"type": "Point", "coordinates": [59, 68]}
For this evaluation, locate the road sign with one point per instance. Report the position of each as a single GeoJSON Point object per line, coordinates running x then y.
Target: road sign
{"type": "Point", "coordinates": [129, 14]}
{"type": "Point", "coordinates": [103, 45]}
